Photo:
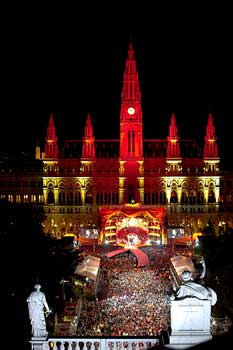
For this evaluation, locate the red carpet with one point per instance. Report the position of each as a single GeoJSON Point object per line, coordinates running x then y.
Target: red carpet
{"type": "Point", "coordinates": [115, 252]}
{"type": "Point", "coordinates": [142, 258]}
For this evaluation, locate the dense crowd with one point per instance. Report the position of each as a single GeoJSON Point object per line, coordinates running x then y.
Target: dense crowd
{"type": "Point", "coordinates": [137, 300]}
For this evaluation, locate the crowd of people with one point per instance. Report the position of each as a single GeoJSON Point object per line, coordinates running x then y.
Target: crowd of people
{"type": "Point", "coordinates": [136, 301]}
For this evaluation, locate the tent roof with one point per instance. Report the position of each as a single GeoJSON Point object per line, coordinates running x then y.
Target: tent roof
{"type": "Point", "coordinates": [182, 263]}
{"type": "Point", "coordinates": [89, 267]}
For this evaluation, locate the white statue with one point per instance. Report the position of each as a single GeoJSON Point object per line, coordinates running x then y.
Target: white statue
{"type": "Point", "coordinates": [203, 273]}
{"type": "Point", "coordinates": [37, 307]}
{"type": "Point", "coordinates": [190, 289]}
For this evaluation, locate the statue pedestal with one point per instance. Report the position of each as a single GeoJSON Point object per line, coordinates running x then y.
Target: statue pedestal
{"type": "Point", "coordinates": [39, 343]}
{"type": "Point", "coordinates": [190, 323]}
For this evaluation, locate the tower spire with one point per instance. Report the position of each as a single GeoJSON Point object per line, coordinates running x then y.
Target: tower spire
{"type": "Point", "coordinates": [211, 147]}
{"type": "Point", "coordinates": [131, 91]}
{"type": "Point", "coordinates": [51, 148]}
{"type": "Point", "coordinates": [88, 149]}
{"type": "Point", "coordinates": [131, 110]}
{"type": "Point", "coordinates": [173, 146]}
{"type": "Point", "coordinates": [131, 162]}
{"type": "Point", "coordinates": [211, 159]}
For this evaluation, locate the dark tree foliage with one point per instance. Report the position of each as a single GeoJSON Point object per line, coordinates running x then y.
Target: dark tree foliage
{"type": "Point", "coordinates": [209, 229]}
{"type": "Point", "coordinates": [25, 259]}
{"type": "Point", "coordinates": [217, 251]}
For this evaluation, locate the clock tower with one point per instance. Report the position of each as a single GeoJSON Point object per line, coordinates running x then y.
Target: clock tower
{"type": "Point", "coordinates": [131, 180]}
{"type": "Point", "coordinates": [131, 111]}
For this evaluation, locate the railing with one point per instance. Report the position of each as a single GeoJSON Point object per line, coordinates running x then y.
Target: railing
{"type": "Point", "coordinates": [124, 343]}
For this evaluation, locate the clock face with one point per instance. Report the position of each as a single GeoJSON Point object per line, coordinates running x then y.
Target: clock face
{"type": "Point", "coordinates": [131, 110]}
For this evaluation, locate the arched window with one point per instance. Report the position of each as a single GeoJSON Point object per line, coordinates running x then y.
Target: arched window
{"type": "Point", "coordinates": [163, 198]}
{"type": "Point", "coordinates": [200, 197]}
{"type": "Point", "coordinates": [147, 198]}
{"type": "Point", "coordinates": [70, 198]}
{"type": "Point", "coordinates": [115, 198]}
{"type": "Point", "coordinates": [174, 198]}
{"type": "Point", "coordinates": [155, 198]}
{"type": "Point", "coordinates": [61, 197]}
{"type": "Point", "coordinates": [89, 198]}
{"type": "Point", "coordinates": [131, 193]}
{"type": "Point", "coordinates": [211, 197]}
{"type": "Point", "coordinates": [99, 198]}
{"type": "Point", "coordinates": [184, 198]}
{"type": "Point", "coordinates": [50, 198]}
{"type": "Point", "coordinates": [107, 198]}
{"type": "Point", "coordinates": [192, 198]}
{"type": "Point", "coordinates": [77, 198]}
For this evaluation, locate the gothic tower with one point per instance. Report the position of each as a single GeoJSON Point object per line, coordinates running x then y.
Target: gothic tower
{"type": "Point", "coordinates": [173, 148]}
{"type": "Point", "coordinates": [211, 163]}
{"type": "Point", "coordinates": [211, 158]}
{"type": "Point", "coordinates": [88, 147]}
{"type": "Point", "coordinates": [131, 177]}
{"type": "Point", "coordinates": [51, 148]}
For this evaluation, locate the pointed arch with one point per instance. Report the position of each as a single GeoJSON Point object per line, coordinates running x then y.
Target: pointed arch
{"type": "Point", "coordinates": [200, 197]}
{"type": "Point", "coordinates": [211, 193]}
{"type": "Point", "coordinates": [50, 197]}
{"type": "Point", "coordinates": [61, 197]}
{"type": "Point", "coordinates": [174, 197]}
{"type": "Point", "coordinates": [69, 198]}
{"type": "Point", "coordinates": [77, 198]}
{"type": "Point", "coordinates": [163, 197]}
{"type": "Point", "coordinates": [89, 197]}
{"type": "Point", "coordinates": [61, 185]}
{"type": "Point", "coordinates": [211, 197]}
{"type": "Point", "coordinates": [192, 197]}
{"type": "Point", "coordinates": [184, 197]}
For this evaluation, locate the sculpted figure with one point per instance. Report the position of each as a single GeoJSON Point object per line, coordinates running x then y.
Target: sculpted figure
{"type": "Point", "coordinates": [37, 307]}
{"type": "Point", "coordinates": [191, 289]}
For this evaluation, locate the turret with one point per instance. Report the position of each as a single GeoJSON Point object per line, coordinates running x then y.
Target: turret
{"type": "Point", "coordinates": [173, 147]}
{"type": "Point", "coordinates": [51, 148]}
{"type": "Point", "coordinates": [211, 147]}
{"type": "Point", "coordinates": [88, 147]}
{"type": "Point", "coordinates": [211, 158]}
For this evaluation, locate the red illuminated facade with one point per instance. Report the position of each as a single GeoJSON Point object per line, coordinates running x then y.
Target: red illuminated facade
{"type": "Point", "coordinates": [86, 175]}
{"type": "Point", "coordinates": [173, 173]}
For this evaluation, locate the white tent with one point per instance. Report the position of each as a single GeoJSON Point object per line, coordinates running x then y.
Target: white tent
{"type": "Point", "coordinates": [89, 268]}
{"type": "Point", "coordinates": [180, 264]}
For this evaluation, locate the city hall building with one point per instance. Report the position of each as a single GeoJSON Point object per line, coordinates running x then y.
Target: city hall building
{"type": "Point", "coordinates": [129, 182]}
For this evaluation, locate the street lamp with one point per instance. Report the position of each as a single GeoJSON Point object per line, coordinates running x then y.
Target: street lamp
{"type": "Point", "coordinates": [62, 282]}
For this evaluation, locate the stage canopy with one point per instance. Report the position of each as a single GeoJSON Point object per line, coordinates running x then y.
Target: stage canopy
{"type": "Point", "coordinates": [132, 225]}
{"type": "Point", "coordinates": [156, 213]}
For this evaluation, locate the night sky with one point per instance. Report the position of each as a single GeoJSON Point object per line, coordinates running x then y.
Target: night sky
{"type": "Point", "coordinates": [72, 64]}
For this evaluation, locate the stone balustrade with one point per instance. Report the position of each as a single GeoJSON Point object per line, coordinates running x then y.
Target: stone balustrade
{"type": "Point", "coordinates": [125, 343]}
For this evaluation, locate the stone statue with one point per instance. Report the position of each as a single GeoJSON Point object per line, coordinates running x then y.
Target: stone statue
{"type": "Point", "coordinates": [37, 308]}
{"type": "Point", "coordinates": [191, 289]}
{"type": "Point", "coordinates": [203, 272]}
